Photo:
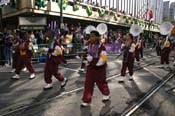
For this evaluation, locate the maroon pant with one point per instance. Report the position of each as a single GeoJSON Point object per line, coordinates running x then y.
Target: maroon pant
{"type": "Point", "coordinates": [83, 65]}
{"type": "Point", "coordinates": [51, 68]}
{"type": "Point", "coordinates": [24, 60]}
{"type": "Point", "coordinates": [165, 56]}
{"type": "Point", "coordinates": [95, 75]}
{"type": "Point", "coordinates": [15, 60]}
{"type": "Point", "coordinates": [127, 64]}
{"type": "Point", "coordinates": [141, 52]}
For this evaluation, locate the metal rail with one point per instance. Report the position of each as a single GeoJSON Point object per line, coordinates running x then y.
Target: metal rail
{"type": "Point", "coordinates": [151, 92]}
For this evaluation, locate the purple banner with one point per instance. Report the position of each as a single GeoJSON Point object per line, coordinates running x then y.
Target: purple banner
{"type": "Point", "coordinates": [114, 48]}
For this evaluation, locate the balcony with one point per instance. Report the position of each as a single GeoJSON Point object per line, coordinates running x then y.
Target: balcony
{"type": "Point", "coordinates": [79, 11]}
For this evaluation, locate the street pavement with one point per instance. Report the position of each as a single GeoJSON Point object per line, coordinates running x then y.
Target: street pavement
{"type": "Point", "coordinates": [25, 97]}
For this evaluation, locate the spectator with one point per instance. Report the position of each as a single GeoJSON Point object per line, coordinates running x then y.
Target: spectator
{"type": "Point", "coordinates": [8, 50]}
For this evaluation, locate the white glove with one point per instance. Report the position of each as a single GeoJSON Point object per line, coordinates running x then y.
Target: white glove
{"type": "Point", "coordinates": [46, 49]}
{"type": "Point", "coordinates": [122, 46]}
{"type": "Point", "coordinates": [85, 61]}
{"type": "Point", "coordinates": [99, 63]}
{"type": "Point", "coordinates": [89, 58]}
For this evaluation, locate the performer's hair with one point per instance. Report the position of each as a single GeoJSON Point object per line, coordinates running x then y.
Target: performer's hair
{"type": "Point", "coordinates": [96, 33]}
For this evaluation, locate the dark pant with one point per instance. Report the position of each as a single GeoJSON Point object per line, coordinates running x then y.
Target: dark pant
{"type": "Point", "coordinates": [141, 52]}
{"type": "Point", "coordinates": [165, 56]}
{"type": "Point", "coordinates": [127, 64]}
{"type": "Point", "coordinates": [15, 60]}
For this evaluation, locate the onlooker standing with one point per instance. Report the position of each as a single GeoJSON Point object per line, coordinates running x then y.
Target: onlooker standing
{"type": "Point", "coordinates": [8, 50]}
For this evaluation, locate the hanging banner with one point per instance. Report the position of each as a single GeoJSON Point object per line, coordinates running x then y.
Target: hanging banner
{"type": "Point", "coordinates": [32, 21]}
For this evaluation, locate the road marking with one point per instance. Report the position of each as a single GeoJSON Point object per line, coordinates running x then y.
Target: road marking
{"type": "Point", "coordinates": [76, 70]}
{"type": "Point", "coordinates": [156, 75]}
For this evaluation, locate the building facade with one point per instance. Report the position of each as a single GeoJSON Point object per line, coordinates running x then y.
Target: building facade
{"type": "Point", "coordinates": [137, 8]}
{"type": "Point", "coordinates": [114, 12]}
{"type": "Point", "coordinates": [172, 11]}
{"type": "Point", "coordinates": [166, 10]}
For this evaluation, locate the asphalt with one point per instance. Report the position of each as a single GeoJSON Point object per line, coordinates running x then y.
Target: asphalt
{"type": "Point", "coordinates": [25, 97]}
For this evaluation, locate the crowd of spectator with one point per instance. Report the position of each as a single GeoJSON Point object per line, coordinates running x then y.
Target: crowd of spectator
{"type": "Point", "coordinates": [72, 37]}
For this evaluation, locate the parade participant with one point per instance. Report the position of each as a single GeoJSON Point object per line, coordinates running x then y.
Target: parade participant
{"type": "Point", "coordinates": [54, 58]}
{"type": "Point", "coordinates": [137, 48]}
{"type": "Point", "coordinates": [96, 70]}
{"type": "Point", "coordinates": [85, 51]}
{"type": "Point", "coordinates": [165, 51]}
{"type": "Point", "coordinates": [15, 51]}
{"type": "Point", "coordinates": [128, 49]}
{"type": "Point", "coordinates": [141, 46]}
{"type": "Point", "coordinates": [165, 30]}
{"type": "Point", "coordinates": [158, 48]}
{"type": "Point", "coordinates": [173, 42]}
{"type": "Point", "coordinates": [25, 47]}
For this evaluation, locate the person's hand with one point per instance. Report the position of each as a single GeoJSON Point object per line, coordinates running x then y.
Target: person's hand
{"type": "Point", "coordinates": [89, 58]}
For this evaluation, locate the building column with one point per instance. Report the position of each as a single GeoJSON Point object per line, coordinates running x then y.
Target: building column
{"type": "Point", "coordinates": [0, 18]}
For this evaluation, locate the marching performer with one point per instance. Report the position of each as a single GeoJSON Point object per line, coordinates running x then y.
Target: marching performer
{"type": "Point", "coordinates": [173, 42]}
{"type": "Point", "coordinates": [25, 48]}
{"type": "Point", "coordinates": [137, 48]}
{"type": "Point", "coordinates": [54, 58]}
{"type": "Point", "coordinates": [15, 51]}
{"type": "Point", "coordinates": [165, 30]}
{"type": "Point", "coordinates": [165, 51]}
{"type": "Point", "coordinates": [158, 46]}
{"type": "Point", "coordinates": [96, 69]}
{"type": "Point", "coordinates": [128, 57]}
{"type": "Point", "coordinates": [85, 50]}
{"type": "Point", "coordinates": [141, 46]}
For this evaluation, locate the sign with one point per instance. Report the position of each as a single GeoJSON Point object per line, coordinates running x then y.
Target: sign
{"type": "Point", "coordinates": [2, 2]}
{"type": "Point", "coordinates": [32, 21]}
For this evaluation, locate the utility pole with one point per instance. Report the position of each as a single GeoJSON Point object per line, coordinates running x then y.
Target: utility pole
{"type": "Point", "coordinates": [135, 9]}
{"type": "Point", "coordinates": [147, 9]}
{"type": "Point", "coordinates": [61, 14]}
{"type": "Point", "coordinates": [0, 18]}
{"type": "Point", "coordinates": [155, 13]}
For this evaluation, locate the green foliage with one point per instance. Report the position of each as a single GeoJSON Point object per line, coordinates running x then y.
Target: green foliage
{"type": "Point", "coordinates": [115, 17]}
{"type": "Point", "coordinates": [101, 12]}
{"type": "Point", "coordinates": [64, 3]}
{"type": "Point", "coordinates": [40, 3]}
{"type": "Point", "coordinates": [75, 6]}
{"type": "Point", "coordinates": [89, 10]}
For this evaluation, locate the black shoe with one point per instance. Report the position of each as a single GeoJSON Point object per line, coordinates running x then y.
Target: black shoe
{"type": "Point", "coordinates": [63, 84]}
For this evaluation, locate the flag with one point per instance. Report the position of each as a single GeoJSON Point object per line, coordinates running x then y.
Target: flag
{"type": "Point", "coordinates": [150, 14]}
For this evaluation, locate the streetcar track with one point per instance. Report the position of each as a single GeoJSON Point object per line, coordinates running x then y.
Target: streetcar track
{"type": "Point", "coordinates": [129, 111]}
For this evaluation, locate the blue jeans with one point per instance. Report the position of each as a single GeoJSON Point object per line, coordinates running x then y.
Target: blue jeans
{"type": "Point", "coordinates": [8, 55]}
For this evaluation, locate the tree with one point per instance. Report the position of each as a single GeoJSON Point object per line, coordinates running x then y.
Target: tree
{"type": "Point", "coordinates": [40, 3]}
